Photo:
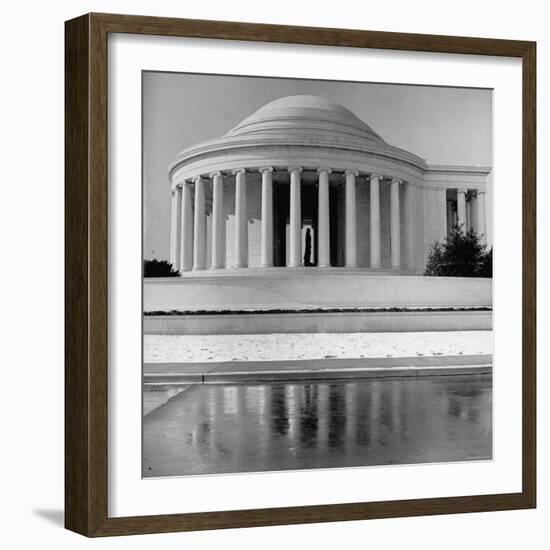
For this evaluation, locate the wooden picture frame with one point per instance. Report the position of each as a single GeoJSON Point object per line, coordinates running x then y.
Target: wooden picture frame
{"type": "Point", "coordinates": [86, 280]}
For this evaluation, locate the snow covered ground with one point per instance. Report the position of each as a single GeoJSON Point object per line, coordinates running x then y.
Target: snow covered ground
{"type": "Point", "coordinates": [270, 347]}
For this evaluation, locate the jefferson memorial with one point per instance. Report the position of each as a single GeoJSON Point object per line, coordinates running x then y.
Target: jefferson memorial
{"type": "Point", "coordinates": [303, 204]}
{"type": "Point", "coordinates": [304, 182]}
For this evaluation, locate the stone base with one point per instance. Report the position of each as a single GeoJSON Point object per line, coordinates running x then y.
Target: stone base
{"type": "Point", "coordinates": [318, 322]}
{"type": "Point", "coordinates": [310, 288]}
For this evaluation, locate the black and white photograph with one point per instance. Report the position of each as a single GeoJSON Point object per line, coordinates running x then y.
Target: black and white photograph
{"type": "Point", "coordinates": [274, 275]}
{"type": "Point", "coordinates": [317, 274]}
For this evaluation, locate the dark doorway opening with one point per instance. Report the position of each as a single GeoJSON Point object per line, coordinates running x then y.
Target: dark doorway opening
{"type": "Point", "coordinates": [281, 215]}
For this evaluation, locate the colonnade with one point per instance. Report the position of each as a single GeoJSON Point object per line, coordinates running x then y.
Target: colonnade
{"type": "Point", "coordinates": [188, 223]}
{"type": "Point", "coordinates": [470, 211]}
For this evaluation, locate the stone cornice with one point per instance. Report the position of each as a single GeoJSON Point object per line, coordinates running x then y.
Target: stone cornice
{"type": "Point", "coordinates": [210, 148]}
{"type": "Point", "coordinates": [457, 169]}
{"type": "Point", "coordinates": [478, 187]}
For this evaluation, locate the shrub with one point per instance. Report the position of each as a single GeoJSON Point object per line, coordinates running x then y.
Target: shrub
{"type": "Point", "coordinates": [463, 254]}
{"type": "Point", "coordinates": [158, 268]}
{"type": "Point", "coordinates": [486, 267]}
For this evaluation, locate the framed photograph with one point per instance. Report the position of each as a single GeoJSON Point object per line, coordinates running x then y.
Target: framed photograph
{"type": "Point", "coordinates": [300, 275]}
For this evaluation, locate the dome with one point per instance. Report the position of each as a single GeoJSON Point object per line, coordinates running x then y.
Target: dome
{"type": "Point", "coordinates": [301, 130]}
{"type": "Point", "coordinates": [304, 113]}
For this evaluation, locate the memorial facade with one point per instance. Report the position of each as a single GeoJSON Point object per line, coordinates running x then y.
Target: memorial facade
{"type": "Point", "coordinates": [303, 182]}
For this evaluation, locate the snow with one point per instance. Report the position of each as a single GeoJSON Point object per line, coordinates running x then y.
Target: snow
{"type": "Point", "coordinates": [271, 347]}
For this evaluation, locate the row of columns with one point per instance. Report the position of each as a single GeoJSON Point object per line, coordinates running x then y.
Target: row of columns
{"type": "Point", "coordinates": [188, 238]}
{"type": "Point", "coordinates": [477, 210]}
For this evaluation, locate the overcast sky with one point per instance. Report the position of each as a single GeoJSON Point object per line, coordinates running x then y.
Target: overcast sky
{"type": "Point", "coordinates": [441, 125]}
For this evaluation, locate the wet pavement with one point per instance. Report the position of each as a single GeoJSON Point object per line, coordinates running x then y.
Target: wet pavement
{"type": "Point", "coordinates": [222, 428]}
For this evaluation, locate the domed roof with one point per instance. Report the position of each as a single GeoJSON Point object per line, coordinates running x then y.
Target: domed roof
{"type": "Point", "coordinates": [299, 113]}
{"type": "Point", "coordinates": [302, 130]}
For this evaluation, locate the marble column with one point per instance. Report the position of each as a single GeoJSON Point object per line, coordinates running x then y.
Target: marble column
{"type": "Point", "coordinates": [481, 215]}
{"type": "Point", "coordinates": [217, 221]}
{"type": "Point", "coordinates": [351, 219]}
{"type": "Point", "coordinates": [468, 212]}
{"type": "Point", "coordinates": [186, 228]}
{"type": "Point", "coordinates": [409, 205]}
{"type": "Point", "coordinates": [442, 213]}
{"type": "Point", "coordinates": [449, 220]}
{"type": "Point", "coordinates": [241, 221]}
{"type": "Point", "coordinates": [295, 218]}
{"type": "Point", "coordinates": [461, 208]}
{"type": "Point", "coordinates": [474, 222]}
{"type": "Point", "coordinates": [177, 257]}
{"type": "Point", "coordinates": [173, 227]}
{"type": "Point", "coordinates": [323, 214]}
{"type": "Point", "coordinates": [375, 248]}
{"type": "Point", "coordinates": [199, 230]}
{"type": "Point", "coordinates": [395, 224]}
{"type": "Point", "coordinates": [267, 217]}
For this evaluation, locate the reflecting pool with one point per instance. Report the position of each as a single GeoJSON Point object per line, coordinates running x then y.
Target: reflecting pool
{"type": "Point", "coordinates": [209, 428]}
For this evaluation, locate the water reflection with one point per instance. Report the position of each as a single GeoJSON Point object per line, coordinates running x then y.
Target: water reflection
{"type": "Point", "coordinates": [240, 428]}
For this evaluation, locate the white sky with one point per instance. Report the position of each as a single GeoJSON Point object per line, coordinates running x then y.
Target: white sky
{"type": "Point", "coordinates": [442, 125]}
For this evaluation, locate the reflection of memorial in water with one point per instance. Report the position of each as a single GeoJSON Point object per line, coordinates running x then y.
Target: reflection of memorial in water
{"type": "Point", "coordinates": [224, 428]}
{"type": "Point", "coordinates": [309, 416]}
{"type": "Point", "coordinates": [322, 426]}
{"type": "Point", "coordinates": [351, 415]}
{"type": "Point", "coordinates": [293, 414]}
{"type": "Point", "coordinates": [337, 418]}
{"type": "Point", "coordinates": [279, 415]}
